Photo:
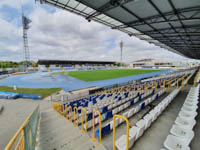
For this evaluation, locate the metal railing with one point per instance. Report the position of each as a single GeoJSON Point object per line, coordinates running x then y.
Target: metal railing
{"type": "Point", "coordinates": [127, 130]}
{"type": "Point", "coordinates": [83, 110]}
{"type": "Point", "coordinates": [76, 116]}
{"type": "Point", "coordinates": [70, 113]}
{"type": "Point", "coordinates": [93, 135]}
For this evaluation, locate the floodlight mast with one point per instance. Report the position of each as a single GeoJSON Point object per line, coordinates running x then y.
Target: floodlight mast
{"type": "Point", "coordinates": [121, 44]}
{"type": "Point", "coordinates": [26, 54]}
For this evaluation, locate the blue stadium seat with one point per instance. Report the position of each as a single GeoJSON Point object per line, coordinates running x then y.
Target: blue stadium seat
{"type": "Point", "coordinates": [132, 102]}
{"type": "Point", "coordinates": [157, 96]}
{"type": "Point", "coordinates": [104, 130]}
{"type": "Point", "coordinates": [89, 116]}
{"type": "Point", "coordinates": [153, 91]}
{"type": "Point", "coordinates": [140, 98]}
{"type": "Point", "coordinates": [104, 109]}
{"type": "Point", "coordinates": [120, 98]}
{"type": "Point", "coordinates": [142, 105]}
{"type": "Point", "coordinates": [108, 114]}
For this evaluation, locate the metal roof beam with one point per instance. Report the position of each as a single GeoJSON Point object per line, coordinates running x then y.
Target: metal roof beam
{"type": "Point", "coordinates": [175, 35]}
{"type": "Point", "coordinates": [170, 21]}
{"type": "Point", "coordinates": [106, 7]}
{"type": "Point", "coordinates": [130, 12]}
{"type": "Point", "coordinates": [179, 33]}
{"type": "Point", "coordinates": [183, 45]}
{"type": "Point", "coordinates": [168, 15]}
{"type": "Point", "coordinates": [168, 29]}
{"type": "Point", "coordinates": [179, 18]}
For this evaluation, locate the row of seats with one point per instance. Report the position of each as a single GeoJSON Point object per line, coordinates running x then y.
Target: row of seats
{"type": "Point", "coordinates": [117, 107]}
{"type": "Point", "coordinates": [181, 133]}
{"type": "Point", "coordinates": [110, 101]}
{"type": "Point", "coordinates": [92, 100]}
{"type": "Point", "coordinates": [143, 124]}
{"type": "Point", "coordinates": [119, 104]}
{"type": "Point", "coordinates": [101, 101]}
{"type": "Point", "coordinates": [109, 126]}
{"type": "Point", "coordinates": [116, 92]}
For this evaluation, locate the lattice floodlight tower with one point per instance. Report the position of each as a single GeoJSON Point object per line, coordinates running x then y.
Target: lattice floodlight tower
{"type": "Point", "coordinates": [26, 54]}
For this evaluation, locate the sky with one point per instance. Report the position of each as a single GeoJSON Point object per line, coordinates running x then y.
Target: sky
{"type": "Point", "coordinates": [58, 34]}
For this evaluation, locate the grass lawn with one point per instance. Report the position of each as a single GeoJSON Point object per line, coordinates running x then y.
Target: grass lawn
{"type": "Point", "coordinates": [44, 92]}
{"type": "Point", "coordinates": [95, 75]}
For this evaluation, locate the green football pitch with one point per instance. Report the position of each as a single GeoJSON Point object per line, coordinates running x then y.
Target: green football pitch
{"type": "Point", "coordinates": [95, 75]}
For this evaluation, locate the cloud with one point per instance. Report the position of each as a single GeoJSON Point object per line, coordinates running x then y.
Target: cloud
{"type": "Point", "coordinates": [58, 34]}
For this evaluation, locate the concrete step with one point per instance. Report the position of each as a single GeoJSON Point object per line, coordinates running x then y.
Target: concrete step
{"type": "Point", "coordinates": [49, 117]}
{"type": "Point", "coordinates": [58, 141]}
{"type": "Point", "coordinates": [52, 123]}
{"type": "Point", "coordinates": [57, 130]}
{"type": "Point", "coordinates": [57, 133]}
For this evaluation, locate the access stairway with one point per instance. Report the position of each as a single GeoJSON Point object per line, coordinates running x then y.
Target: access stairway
{"type": "Point", "coordinates": [57, 133]}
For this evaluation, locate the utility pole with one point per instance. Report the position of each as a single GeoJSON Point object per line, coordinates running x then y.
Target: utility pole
{"type": "Point", "coordinates": [121, 44]}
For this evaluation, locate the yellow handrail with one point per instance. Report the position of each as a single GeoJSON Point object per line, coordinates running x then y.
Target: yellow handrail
{"type": "Point", "coordinates": [21, 143]}
{"type": "Point", "coordinates": [152, 84]}
{"type": "Point", "coordinates": [156, 85]}
{"type": "Point", "coordinates": [56, 106]}
{"type": "Point", "coordinates": [146, 87]}
{"type": "Point", "coordinates": [83, 109]}
{"type": "Point", "coordinates": [70, 113]}
{"type": "Point", "coordinates": [66, 112]}
{"type": "Point", "coordinates": [164, 84]}
{"type": "Point", "coordinates": [183, 84]}
{"type": "Point", "coordinates": [160, 84]}
{"type": "Point", "coordinates": [75, 116]}
{"type": "Point", "coordinates": [127, 130]}
{"type": "Point", "coordinates": [195, 81]}
{"type": "Point", "coordinates": [93, 135]}
{"type": "Point", "coordinates": [61, 110]}
{"type": "Point", "coordinates": [169, 86]}
{"type": "Point", "coordinates": [21, 130]}
{"type": "Point", "coordinates": [177, 83]}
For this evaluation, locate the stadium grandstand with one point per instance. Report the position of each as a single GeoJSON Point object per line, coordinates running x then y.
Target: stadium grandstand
{"type": "Point", "coordinates": [150, 110]}
{"type": "Point", "coordinates": [56, 65]}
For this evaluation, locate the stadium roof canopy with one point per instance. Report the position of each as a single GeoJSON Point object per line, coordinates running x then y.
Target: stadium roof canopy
{"type": "Point", "coordinates": [73, 62]}
{"type": "Point", "coordinates": [170, 24]}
